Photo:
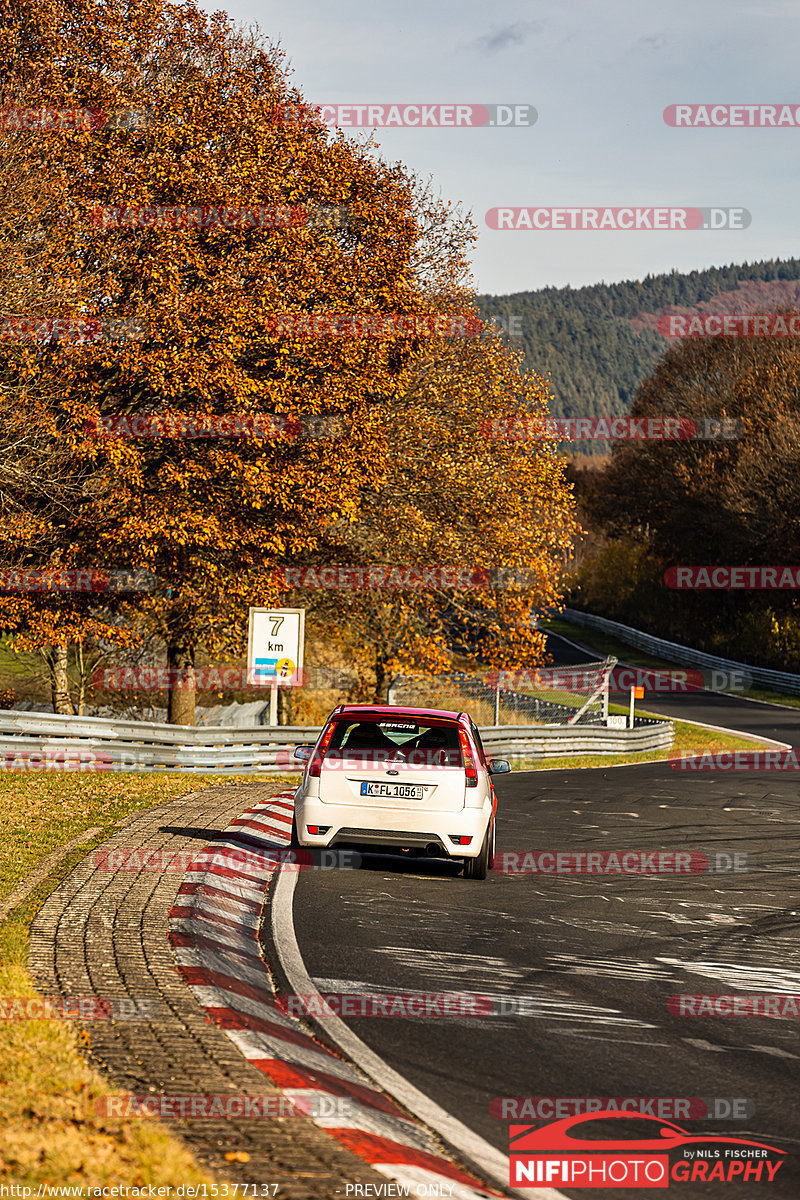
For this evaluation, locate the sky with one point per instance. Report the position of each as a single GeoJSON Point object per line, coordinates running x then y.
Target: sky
{"type": "Point", "coordinates": [599, 76]}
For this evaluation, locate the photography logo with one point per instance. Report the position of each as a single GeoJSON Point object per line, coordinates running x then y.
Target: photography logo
{"type": "Point", "coordinates": [657, 1155]}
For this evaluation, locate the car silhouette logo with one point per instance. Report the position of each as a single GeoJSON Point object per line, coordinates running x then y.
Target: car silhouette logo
{"type": "Point", "coordinates": [666, 1136]}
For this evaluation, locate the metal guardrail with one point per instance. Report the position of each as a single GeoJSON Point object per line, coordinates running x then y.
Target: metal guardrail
{"type": "Point", "coordinates": [551, 741]}
{"type": "Point", "coordinates": [124, 731]}
{"type": "Point", "coordinates": [782, 681]}
{"type": "Point", "coordinates": [46, 741]}
{"type": "Point", "coordinates": [97, 743]}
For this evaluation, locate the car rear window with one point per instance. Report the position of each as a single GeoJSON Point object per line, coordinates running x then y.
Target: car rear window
{"type": "Point", "coordinates": [417, 743]}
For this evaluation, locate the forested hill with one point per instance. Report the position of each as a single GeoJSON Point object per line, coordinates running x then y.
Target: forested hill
{"type": "Point", "coordinates": [599, 342]}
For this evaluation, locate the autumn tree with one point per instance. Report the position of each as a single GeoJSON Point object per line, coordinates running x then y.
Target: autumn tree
{"type": "Point", "coordinates": [210, 518]}
{"type": "Point", "coordinates": [40, 481]}
{"type": "Point", "coordinates": [458, 492]}
{"type": "Point", "coordinates": [215, 519]}
{"type": "Point", "coordinates": [727, 500]}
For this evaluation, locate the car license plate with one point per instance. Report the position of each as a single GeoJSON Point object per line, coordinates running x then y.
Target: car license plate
{"type": "Point", "coordinates": [394, 791]}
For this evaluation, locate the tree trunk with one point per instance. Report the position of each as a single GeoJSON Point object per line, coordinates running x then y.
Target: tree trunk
{"type": "Point", "coordinates": [180, 661]}
{"type": "Point", "coordinates": [81, 679]}
{"type": "Point", "coordinates": [380, 678]}
{"type": "Point", "coordinates": [59, 681]}
{"type": "Point", "coordinates": [285, 706]}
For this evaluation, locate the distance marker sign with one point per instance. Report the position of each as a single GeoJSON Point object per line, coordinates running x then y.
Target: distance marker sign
{"type": "Point", "coordinates": [275, 647]}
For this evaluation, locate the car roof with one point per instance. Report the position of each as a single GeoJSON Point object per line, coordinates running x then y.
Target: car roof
{"type": "Point", "coordinates": [395, 710]}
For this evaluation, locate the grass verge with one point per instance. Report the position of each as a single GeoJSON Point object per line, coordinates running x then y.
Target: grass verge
{"type": "Point", "coordinates": [49, 1131]}
{"type": "Point", "coordinates": [689, 739]}
{"type": "Point", "coordinates": [603, 643]}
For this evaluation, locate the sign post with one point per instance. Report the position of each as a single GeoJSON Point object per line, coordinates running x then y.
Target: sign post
{"type": "Point", "coordinates": [275, 644]}
{"type": "Point", "coordinates": [637, 693]}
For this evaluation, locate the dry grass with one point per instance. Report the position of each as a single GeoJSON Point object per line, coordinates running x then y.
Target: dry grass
{"type": "Point", "coordinates": [689, 739]}
{"type": "Point", "coordinates": [49, 1130]}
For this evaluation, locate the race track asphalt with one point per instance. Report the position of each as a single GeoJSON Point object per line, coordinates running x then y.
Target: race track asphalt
{"type": "Point", "coordinates": [581, 966]}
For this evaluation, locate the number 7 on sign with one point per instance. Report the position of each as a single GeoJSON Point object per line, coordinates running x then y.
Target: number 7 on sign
{"type": "Point", "coordinates": [276, 624]}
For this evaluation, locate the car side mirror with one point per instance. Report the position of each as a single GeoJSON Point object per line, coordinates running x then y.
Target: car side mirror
{"type": "Point", "coordinates": [499, 766]}
{"type": "Point", "coordinates": [303, 753]}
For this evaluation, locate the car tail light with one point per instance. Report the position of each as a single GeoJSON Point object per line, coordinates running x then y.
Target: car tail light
{"type": "Point", "coordinates": [317, 830]}
{"type": "Point", "coordinates": [469, 762]}
{"type": "Point", "coordinates": [459, 839]}
{"type": "Point", "coordinates": [316, 763]}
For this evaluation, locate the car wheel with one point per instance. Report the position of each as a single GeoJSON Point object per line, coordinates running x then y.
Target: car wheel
{"type": "Point", "coordinates": [492, 851]}
{"type": "Point", "coordinates": [478, 867]}
{"type": "Point", "coordinates": [294, 840]}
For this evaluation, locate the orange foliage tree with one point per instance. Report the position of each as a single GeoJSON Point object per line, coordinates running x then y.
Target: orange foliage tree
{"type": "Point", "coordinates": [213, 518]}
{"type": "Point", "coordinates": [453, 495]}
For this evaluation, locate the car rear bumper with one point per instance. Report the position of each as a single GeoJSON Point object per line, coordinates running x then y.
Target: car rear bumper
{"type": "Point", "coordinates": [395, 828]}
{"type": "Point", "coordinates": [398, 839]}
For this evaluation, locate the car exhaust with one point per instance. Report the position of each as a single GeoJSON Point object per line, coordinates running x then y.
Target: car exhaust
{"type": "Point", "coordinates": [433, 850]}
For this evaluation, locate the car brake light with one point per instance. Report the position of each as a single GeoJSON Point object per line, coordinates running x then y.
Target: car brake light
{"type": "Point", "coordinates": [316, 763]}
{"type": "Point", "coordinates": [318, 830]}
{"type": "Point", "coordinates": [469, 762]}
{"type": "Point", "coordinates": [459, 839]}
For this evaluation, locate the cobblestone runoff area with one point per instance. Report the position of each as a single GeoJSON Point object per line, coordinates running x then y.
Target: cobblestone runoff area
{"type": "Point", "coordinates": [104, 933]}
